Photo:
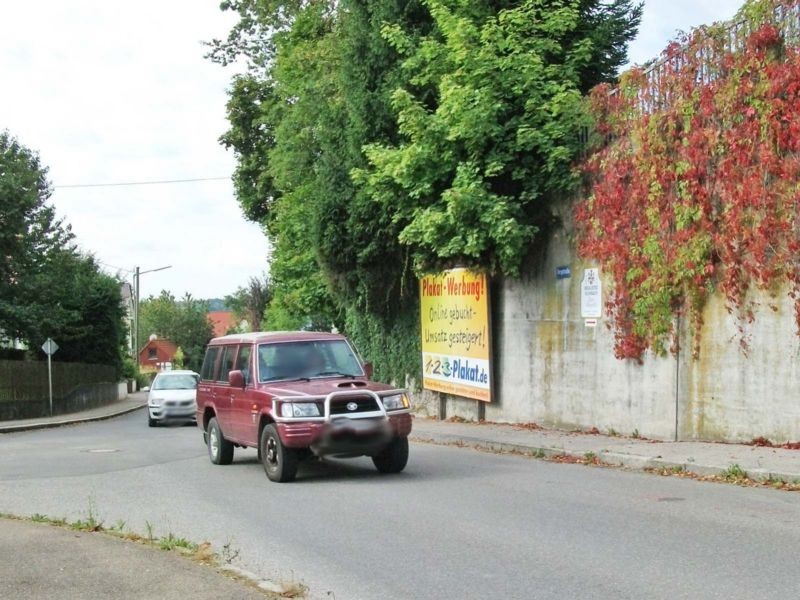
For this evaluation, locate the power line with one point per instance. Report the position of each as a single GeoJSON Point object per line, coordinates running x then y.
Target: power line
{"type": "Point", "coordinates": [132, 183]}
{"type": "Point", "coordinates": [105, 264]}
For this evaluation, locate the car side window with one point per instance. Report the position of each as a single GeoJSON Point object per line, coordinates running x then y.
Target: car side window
{"type": "Point", "coordinates": [266, 361]}
{"type": "Point", "coordinates": [243, 362]}
{"type": "Point", "coordinates": [209, 362]}
{"type": "Point", "coordinates": [226, 364]}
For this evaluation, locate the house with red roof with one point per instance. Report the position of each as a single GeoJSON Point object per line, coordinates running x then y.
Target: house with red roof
{"type": "Point", "coordinates": [156, 354]}
{"type": "Point", "coordinates": [223, 321]}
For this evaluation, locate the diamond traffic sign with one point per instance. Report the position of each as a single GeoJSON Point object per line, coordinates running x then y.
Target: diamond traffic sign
{"type": "Point", "coordinates": [49, 347]}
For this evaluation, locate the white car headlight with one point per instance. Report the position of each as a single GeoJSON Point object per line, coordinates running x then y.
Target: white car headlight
{"type": "Point", "coordinates": [299, 409]}
{"type": "Point", "coordinates": [155, 401]}
{"type": "Point", "coordinates": [395, 402]}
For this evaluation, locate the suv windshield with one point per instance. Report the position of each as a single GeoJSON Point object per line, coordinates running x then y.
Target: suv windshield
{"type": "Point", "coordinates": [178, 381]}
{"type": "Point", "coordinates": [300, 360]}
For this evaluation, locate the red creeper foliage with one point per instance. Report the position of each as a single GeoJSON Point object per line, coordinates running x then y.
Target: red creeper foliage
{"type": "Point", "coordinates": [697, 187]}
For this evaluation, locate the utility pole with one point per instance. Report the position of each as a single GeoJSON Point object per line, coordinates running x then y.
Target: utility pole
{"type": "Point", "coordinates": [136, 274]}
{"type": "Point", "coordinates": [136, 315]}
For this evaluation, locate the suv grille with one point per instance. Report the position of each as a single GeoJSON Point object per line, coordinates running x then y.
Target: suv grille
{"type": "Point", "coordinates": [365, 404]}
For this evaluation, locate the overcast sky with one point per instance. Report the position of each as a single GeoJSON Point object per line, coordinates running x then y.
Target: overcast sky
{"type": "Point", "coordinates": [112, 91]}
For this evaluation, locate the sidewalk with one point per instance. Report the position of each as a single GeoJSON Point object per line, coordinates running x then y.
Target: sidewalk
{"type": "Point", "coordinates": [701, 458]}
{"type": "Point", "coordinates": [43, 561]}
{"type": "Point", "coordinates": [133, 402]}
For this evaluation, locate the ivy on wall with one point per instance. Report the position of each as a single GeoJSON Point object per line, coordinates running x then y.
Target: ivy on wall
{"type": "Point", "coordinates": [696, 187]}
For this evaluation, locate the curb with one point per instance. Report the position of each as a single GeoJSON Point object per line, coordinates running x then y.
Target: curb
{"type": "Point", "coordinates": [265, 585]}
{"type": "Point", "coordinates": [634, 462]}
{"type": "Point", "coordinates": [50, 424]}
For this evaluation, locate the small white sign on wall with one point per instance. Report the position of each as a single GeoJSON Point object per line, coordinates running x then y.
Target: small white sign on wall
{"type": "Point", "coordinates": [591, 294]}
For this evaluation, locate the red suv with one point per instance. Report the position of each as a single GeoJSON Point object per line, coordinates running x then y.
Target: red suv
{"type": "Point", "coordinates": [295, 395]}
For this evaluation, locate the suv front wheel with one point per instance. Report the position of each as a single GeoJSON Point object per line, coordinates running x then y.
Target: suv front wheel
{"type": "Point", "coordinates": [280, 462]}
{"type": "Point", "coordinates": [220, 450]}
{"type": "Point", "coordinates": [394, 457]}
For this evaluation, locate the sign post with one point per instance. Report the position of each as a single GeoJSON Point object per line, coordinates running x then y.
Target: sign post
{"type": "Point", "coordinates": [49, 348]}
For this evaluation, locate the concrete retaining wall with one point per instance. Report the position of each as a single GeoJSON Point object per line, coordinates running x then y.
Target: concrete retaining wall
{"type": "Point", "coordinates": [728, 394]}
{"type": "Point", "coordinates": [553, 370]}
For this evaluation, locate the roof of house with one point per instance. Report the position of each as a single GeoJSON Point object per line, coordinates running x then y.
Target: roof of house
{"type": "Point", "coordinates": [166, 345]}
{"type": "Point", "coordinates": [222, 321]}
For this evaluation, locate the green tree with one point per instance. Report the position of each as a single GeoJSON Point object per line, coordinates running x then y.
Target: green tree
{"type": "Point", "coordinates": [473, 174]}
{"type": "Point", "coordinates": [31, 238]}
{"type": "Point", "coordinates": [378, 139]}
{"type": "Point", "coordinates": [81, 308]}
{"type": "Point", "coordinates": [183, 321]}
{"type": "Point", "coordinates": [47, 287]}
{"type": "Point", "coordinates": [179, 360]}
{"type": "Point", "coordinates": [251, 136]}
{"type": "Point", "coordinates": [336, 257]}
{"type": "Point", "coordinates": [249, 303]}
{"type": "Point", "coordinates": [273, 184]}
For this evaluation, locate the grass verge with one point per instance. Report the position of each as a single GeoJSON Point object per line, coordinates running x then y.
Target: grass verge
{"type": "Point", "coordinates": [202, 552]}
{"type": "Point", "coordinates": [733, 474]}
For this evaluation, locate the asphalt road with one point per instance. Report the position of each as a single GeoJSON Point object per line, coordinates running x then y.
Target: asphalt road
{"type": "Point", "coordinates": [456, 524]}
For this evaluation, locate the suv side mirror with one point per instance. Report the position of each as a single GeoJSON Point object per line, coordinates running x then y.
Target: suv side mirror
{"type": "Point", "coordinates": [236, 379]}
{"type": "Point", "coordinates": [368, 370]}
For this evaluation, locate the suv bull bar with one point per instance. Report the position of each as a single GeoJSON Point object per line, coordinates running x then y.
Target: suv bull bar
{"type": "Point", "coordinates": [326, 417]}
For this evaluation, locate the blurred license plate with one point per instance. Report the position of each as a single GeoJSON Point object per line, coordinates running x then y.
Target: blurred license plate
{"type": "Point", "coordinates": [357, 425]}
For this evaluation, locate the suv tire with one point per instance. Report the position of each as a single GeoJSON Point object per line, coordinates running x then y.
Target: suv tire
{"type": "Point", "coordinates": [394, 457]}
{"type": "Point", "coordinates": [280, 463]}
{"type": "Point", "coordinates": [151, 422]}
{"type": "Point", "coordinates": [220, 450]}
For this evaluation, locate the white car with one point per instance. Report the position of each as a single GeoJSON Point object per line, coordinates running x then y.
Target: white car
{"type": "Point", "coordinates": [172, 397]}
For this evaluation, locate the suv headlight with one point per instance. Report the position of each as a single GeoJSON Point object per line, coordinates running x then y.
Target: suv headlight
{"type": "Point", "coordinates": [299, 409]}
{"type": "Point", "coordinates": [155, 401]}
{"type": "Point", "coordinates": [395, 402]}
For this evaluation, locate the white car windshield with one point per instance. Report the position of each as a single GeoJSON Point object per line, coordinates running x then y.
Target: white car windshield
{"type": "Point", "coordinates": [178, 381]}
{"type": "Point", "coordinates": [307, 360]}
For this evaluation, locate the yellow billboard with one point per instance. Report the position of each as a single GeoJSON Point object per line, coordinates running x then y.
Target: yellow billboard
{"type": "Point", "coordinates": [456, 349]}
